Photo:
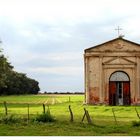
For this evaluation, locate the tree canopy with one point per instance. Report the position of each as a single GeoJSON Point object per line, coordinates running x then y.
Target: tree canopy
{"type": "Point", "coordinates": [12, 82]}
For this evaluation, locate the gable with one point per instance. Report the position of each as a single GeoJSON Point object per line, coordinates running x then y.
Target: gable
{"type": "Point", "coordinates": [119, 61]}
{"type": "Point", "coordinates": [118, 44]}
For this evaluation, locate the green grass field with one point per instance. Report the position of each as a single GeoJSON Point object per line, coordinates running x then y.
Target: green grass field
{"type": "Point", "coordinates": [103, 123]}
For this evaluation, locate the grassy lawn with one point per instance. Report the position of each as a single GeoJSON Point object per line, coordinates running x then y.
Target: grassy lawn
{"type": "Point", "coordinates": [103, 123]}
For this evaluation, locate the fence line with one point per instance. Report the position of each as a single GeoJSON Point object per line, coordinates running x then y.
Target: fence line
{"type": "Point", "coordinates": [7, 111]}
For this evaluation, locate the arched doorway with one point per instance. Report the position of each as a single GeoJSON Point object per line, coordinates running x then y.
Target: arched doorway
{"type": "Point", "coordinates": [119, 88]}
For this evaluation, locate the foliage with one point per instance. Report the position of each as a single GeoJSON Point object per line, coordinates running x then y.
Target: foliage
{"type": "Point", "coordinates": [5, 68]}
{"type": "Point", "coordinates": [8, 119]}
{"type": "Point", "coordinates": [19, 83]}
{"type": "Point", "coordinates": [136, 123]}
{"type": "Point", "coordinates": [44, 117]}
{"type": "Point", "coordinates": [12, 82]}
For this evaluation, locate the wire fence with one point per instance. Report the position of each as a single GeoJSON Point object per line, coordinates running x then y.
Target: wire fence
{"type": "Point", "coordinates": [69, 111]}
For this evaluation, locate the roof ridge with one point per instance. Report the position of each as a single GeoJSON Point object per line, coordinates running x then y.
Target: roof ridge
{"type": "Point", "coordinates": [120, 37]}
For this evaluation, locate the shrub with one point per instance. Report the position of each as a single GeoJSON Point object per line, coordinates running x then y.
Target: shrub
{"type": "Point", "coordinates": [45, 117]}
{"type": "Point", "coordinates": [136, 123]}
{"type": "Point", "coordinates": [7, 119]}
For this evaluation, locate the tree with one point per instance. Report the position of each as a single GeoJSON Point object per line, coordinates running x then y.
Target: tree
{"type": "Point", "coordinates": [5, 68]}
{"type": "Point", "coordinates": [12, 82]}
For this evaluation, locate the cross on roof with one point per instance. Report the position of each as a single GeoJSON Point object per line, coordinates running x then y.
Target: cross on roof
{"type": "Point", "coordinates": [118, 29]}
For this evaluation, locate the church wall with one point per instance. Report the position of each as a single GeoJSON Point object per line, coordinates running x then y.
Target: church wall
{"type": "Point", "coordinates": [101, 62]}
{"type": "Point", "coordinates": [138, 81]}
{"type": "Point", "coordinates": [94, 75]}
{"type": "Point", "coordinates": [94, 85]}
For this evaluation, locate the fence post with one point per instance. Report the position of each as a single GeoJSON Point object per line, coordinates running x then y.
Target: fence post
{"type": "Point", "coordinates": [28, 112]}
{"type": "Point", "coordinates": [84, 115]}
{"type": "Point", "coordinates": [69, 98]}
{"type": "Point", "coordinates": [5, 106]}
{"type": "Point", "coordinates": [114, 115]}
{"type": "Point", "coordinates": [71, 114]}
{"type": "Point", "coordinates": [44, 108]}
{"type": "Point", "coordinates": [137, 113]}
{"type": "Point", "coordinates": [87, 116]}
{"type": "Point", "coordinates": [48, 111]}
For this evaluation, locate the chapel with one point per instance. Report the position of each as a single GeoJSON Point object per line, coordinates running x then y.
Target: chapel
{"type": "Point", "coordinates": [112, 73]}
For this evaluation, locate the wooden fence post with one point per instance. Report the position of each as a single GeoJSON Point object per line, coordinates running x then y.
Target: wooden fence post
{"type": "Point", "coordinates": [87, 116]}
{"type": "Point", "coordinates": [48, 111]}
{"type": "Point", "coordinates": [137, 113]}
{"type": "Point", "coordinates": [71, 114]}
{"type": "Point", "coordinates": [5, 106]}
{"type": "Point", "coordinates": [69, 98]}
{"type": "Point", "coordinates": [28, 117]}
{"type": "Point", "coordinates": [114, 115]}
{"type": "Point", "coordinates": [84, 115]}
{"type": "Point", "coordinates": [44, 108]}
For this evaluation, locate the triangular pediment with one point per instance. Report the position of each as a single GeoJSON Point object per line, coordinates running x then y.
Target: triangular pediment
{"type": "Point", "coordinates": [119, 61]}
{"type": "Point", "coordinates": [118, 44]}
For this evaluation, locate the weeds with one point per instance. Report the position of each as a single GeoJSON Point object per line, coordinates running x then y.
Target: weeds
{"type": "Point", "coordinates": [135, 123]}
{"type": "Point", "coordinates": [44, 117]}
{"type": "Point", "coordinates": [8, 119]}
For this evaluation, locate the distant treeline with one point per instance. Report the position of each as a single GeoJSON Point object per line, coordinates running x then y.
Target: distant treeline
{"type": "Point", "coordinates": [63, 93]}
{"type": "Point", "coordinates": [12, 82]}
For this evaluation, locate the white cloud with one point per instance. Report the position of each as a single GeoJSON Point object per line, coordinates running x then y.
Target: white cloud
{"type": "Point", "coordinates": [65, 71]}
{"type": "Point", "coordinates": [63, 56]}
{"type": "Point", "coordinates": [72, 11]}
{"type": "Point", "coordinates": [48, 37]}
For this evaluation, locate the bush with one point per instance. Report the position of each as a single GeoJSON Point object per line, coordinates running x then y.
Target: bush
{"type": "Point", "coordinates": [45, 117]}
{"type": "Point", "coordinates": [7, 119]}
{"type": "Point", "coordinates": [136, 123]}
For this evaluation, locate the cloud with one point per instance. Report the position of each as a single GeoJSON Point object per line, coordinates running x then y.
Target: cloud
{"type": "Point", "coordinates": [69, 71]}
{"type": "Point", "coordinates": [46, 38]}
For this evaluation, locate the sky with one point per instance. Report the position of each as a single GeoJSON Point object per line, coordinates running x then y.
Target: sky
{"type": "Point", "coordinates": [46, 38]}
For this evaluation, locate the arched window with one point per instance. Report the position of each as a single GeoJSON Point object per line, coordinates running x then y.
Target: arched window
{"type": "Point", "coordinates": [119, 76]}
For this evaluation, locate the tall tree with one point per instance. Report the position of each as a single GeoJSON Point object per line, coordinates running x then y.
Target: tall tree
{"type": "Point", "coordinates": [12, 82]}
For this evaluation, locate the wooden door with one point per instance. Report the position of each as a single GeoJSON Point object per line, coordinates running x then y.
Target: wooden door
{"type": "Point", "coordinates": [112, 93]}
{"type": "Point", "coordinates": [126, 93]}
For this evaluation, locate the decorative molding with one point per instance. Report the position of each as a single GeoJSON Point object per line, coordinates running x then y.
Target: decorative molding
{"type": "Point", "coordinates": [118, 67]}
{"type": "Point", "coordinates": [124, 60]}
{"type": "Point", "coordinates": [119, 46]}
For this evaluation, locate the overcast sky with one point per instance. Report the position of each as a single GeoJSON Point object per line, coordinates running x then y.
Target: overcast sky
{"type": "Point", "coordinates": [46, 38]}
